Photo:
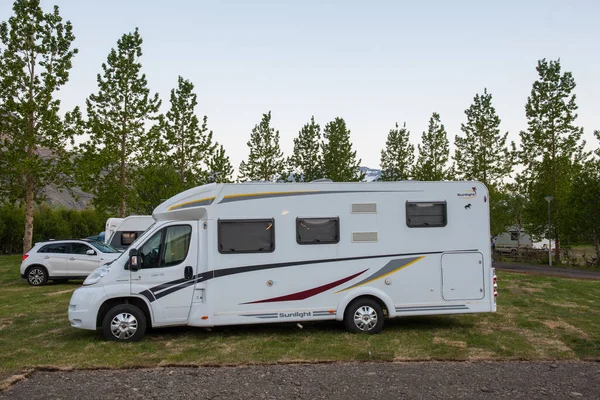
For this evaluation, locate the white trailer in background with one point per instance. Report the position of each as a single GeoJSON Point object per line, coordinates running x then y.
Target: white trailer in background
{"type": "Point", "coordinates": [121, 232]}
{"type": "Point", "coordinates": [223, 254]}
{"type": "Point", "coordinates": [512, 241]}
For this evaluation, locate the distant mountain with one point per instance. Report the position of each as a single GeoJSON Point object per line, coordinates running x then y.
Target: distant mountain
{"type": "Point", "coordinates": [78, 200]}
{"type": "Point", "coordinates": [371, 174]}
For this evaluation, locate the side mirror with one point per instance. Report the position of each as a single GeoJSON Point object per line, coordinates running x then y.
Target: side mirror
{"type": "Point", "coordinates": [133, 260]}
{"type": "Point", "coordinates": [90, 252]}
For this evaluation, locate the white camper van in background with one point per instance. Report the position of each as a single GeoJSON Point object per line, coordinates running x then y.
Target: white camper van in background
{"type": "Point", "coordinates": [111, 226]}
{"type": "Point", "coordinates": [121, 232]}
{"type": "Point", "coordinates": [223, 254]}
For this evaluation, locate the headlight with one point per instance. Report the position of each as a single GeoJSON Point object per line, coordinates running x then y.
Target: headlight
{"type": "Point", "coordinates": [96, 275]}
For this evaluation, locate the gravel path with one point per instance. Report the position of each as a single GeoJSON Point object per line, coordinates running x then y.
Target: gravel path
{"type": "Point", "coordinates": [551, 271]}
{"type": "Point", "coordinates": [447, 380]}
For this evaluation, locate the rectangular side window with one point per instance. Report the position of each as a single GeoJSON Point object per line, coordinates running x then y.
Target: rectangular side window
{"type": "Point", "coordinates": [426, 214]}
{"type": "Point", "coordinates": [54, 248]}
{"type": "Point", "coordinates": [128, 237]}
{"type": "Point", "coordinates": [317, 230]}
{"type": "Point", "coordinates": [246, 236]}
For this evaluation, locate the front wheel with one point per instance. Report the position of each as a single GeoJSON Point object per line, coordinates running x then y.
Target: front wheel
{"type": "Point", "coordinates": [124, 323]}
{"type": "Point", "coordinates": [37, 276]}
{"type": "Point", "coordinates": [364, 316]}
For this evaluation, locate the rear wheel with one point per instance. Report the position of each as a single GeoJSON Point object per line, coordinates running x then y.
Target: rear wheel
{"type": "Point", "coordinates": [364, 316]}
{"type": "Point", "coordinates": [124, 323]}
{"type": "Point", "coordinates": [36, 275]}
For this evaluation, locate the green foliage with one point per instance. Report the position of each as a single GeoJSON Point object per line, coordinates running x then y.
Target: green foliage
{"type": "Point", "coordinates": [551, 148]}
{"type": "Point", "coordinates": [189, 143]}
{"type": "Point", "coordinates": [584, 202]}
{"type": "Point", "coordinates": [35, 59]}
{"type": "Point", "coordinates": [432, 163]}
{"type": "Point", "coordinates": [306, 161]}
{"type": "Point", "coordinates": [219, 166]}
{"type": "Point", "coordinates": [117, 116]}
{"type": "Point", "coordinates": [265, 162]}
{"type": "Point", "coordinates": [339, 161]}
{"type": "Point", "coordinates": [482, 153]}
{"type": "Point", "coordinates": [398, 157]}
{"type": "Point", "coordinates": [153, 185]}
{"type": "Point", "coordinates": [50, 223]}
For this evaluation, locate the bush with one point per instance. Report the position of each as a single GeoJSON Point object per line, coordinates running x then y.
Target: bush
{"type": "Point", "coordinates": [48, 223]}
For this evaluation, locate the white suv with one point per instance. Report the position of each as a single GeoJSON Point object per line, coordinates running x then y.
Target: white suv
{"type": "Point", "coordinates": [61, 260]}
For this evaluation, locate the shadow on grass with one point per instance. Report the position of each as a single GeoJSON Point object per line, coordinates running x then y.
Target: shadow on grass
{"type": "Point", "coordinates": [422, 324]}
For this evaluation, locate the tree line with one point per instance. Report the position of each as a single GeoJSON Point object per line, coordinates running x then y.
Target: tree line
{"type": "Point", "coordinates": [132, 157]}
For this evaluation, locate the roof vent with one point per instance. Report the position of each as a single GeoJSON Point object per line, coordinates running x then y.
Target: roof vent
{"type": "Point", "coordinates": [321, 180]}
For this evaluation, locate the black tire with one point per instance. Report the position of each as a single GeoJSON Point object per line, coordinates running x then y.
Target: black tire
{"type": "Point", "coordinates": [513, 252]}
{"type": "Point", "coordinates": [364, 315]}
{"type": "Point", "coordinates": [36, 275]}
{"type": "Point", "coordinates": [124, 323]}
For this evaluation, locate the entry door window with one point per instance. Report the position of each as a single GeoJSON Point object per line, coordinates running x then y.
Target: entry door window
{"type": "Point", "coordinates": [166, 248]}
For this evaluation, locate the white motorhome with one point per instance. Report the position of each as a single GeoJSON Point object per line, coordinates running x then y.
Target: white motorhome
{"type": "Point", "coordinates": [512, 241]}
{"type": "Point", "coordinates": [121, 232]}
{"type": "Point", "coordinates": [223, 254]}
{"type": "Point", "coordinates": [111, 226]}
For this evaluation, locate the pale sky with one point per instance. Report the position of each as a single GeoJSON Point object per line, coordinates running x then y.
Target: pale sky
{"type": "Point", "coordinates": [371, 63]}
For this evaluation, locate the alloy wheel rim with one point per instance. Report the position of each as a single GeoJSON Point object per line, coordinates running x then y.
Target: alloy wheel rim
{"type": "Point", "coordinates": [365, 318]}
{"type": "Point", "coordinates": [123, 326]}
{"type": "Point", "coordinates": [36, 276]}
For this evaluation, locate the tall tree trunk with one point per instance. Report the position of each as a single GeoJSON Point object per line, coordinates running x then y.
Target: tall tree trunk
{"type": "Point", "coordinates": [28, 238]}
{"type": "Point", "coordinates": [597, 246]}
{"type": "Point", "coordinates": [123, 183]}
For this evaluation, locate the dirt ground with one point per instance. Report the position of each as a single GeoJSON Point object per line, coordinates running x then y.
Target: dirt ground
{"type": "Point", "coordinates": [447, 380]}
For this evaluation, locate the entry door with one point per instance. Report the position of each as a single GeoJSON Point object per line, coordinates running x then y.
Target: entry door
{"type": "Point", "coordinates": [166, 276]}
{"type": "Point", "coordinates": [80, 263]}
{"type": "Point", "coordinates": [462, 276]}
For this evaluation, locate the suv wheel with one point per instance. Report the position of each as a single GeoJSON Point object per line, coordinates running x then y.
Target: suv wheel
{"type": "Point", "coordinates": [36, 275]}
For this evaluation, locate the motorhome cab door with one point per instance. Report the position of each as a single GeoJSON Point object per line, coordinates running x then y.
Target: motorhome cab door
{"type": "Point", "coordinates": [166, 276]}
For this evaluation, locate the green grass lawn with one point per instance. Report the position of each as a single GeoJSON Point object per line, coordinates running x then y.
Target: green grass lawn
{"type": "Point", "coordinates": [538, 318]}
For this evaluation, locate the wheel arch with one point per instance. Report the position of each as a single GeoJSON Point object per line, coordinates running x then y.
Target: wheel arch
{"type": "Point", "coordinates": [115, 301]}
{"type": "Point", "coordinates": [377, 295]}
{"type": "Point", "coordinates": [36, 265]}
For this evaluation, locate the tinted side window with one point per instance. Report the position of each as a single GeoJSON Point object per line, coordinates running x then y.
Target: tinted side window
{"type": "Point", "coordinates": [150, 251]}
{"type": "Point", "coordinates": [128, 237]}
{"type": "Point", "coordinates": [426, 214]}
{"type": "Point", "coordinates": [166, 248]}
{"type": "Point", "coordinates": [247, 236]}
{"type": "Point", "coordinates": [317, 230]}
{"type": "Point", "coordinates": [177, 244]}
{"type": "Point", "coordinates": [54, 248]}
{"type": "Point", "coordinates": [79, 248]}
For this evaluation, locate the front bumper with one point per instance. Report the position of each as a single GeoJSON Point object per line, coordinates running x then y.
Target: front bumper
{"type": "Point", "coordinates": [84, 305]}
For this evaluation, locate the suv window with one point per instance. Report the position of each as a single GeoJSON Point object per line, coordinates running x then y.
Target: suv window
{"type": "Point", "coordinates": [54, 248]}
{"type": "Point", "coordinates": [79, 248]}
{"type": "Point", "coordinates": [166, 248]}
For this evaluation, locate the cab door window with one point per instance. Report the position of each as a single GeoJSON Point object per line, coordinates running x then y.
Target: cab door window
{"type": "Point", "coordinates": [166, 248]}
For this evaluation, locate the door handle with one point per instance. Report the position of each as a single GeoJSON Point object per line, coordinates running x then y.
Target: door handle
{"type": "Point", "coordinates": [72, 258]}
{"type": "Point", "coordinates": [188, 272]}
{"type": "Point", "coordinates": [47, 257]}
